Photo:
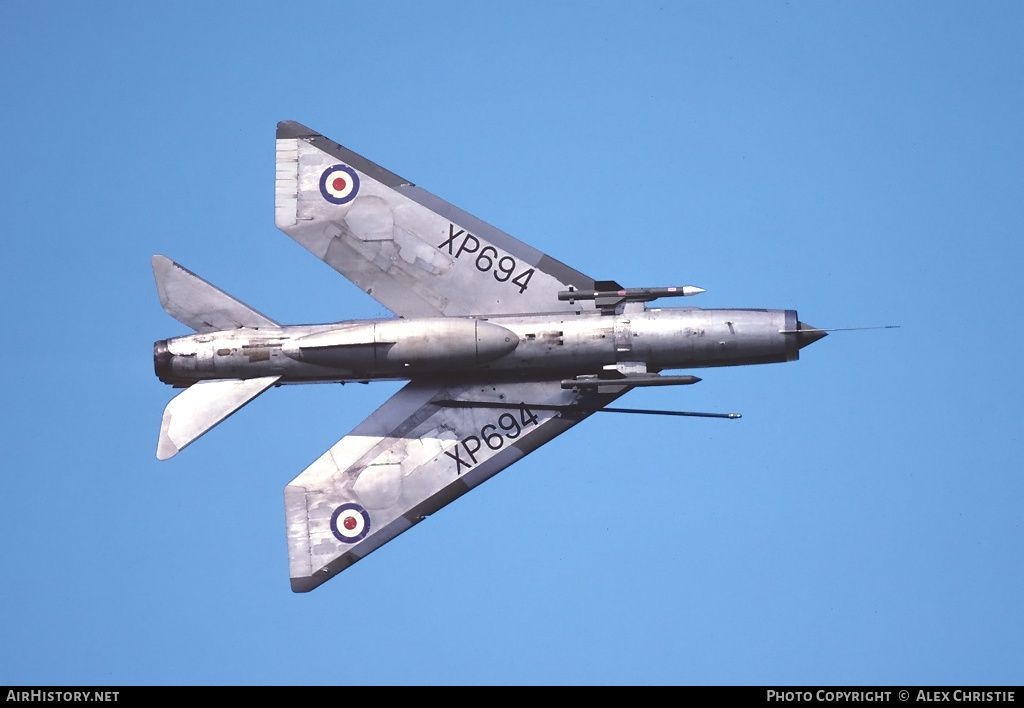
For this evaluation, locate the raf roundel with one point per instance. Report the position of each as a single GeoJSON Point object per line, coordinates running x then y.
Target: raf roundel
{"type": "Point", "coordinates": [339, 184]}
{"type": "Point", "coordinates": [350, 523]}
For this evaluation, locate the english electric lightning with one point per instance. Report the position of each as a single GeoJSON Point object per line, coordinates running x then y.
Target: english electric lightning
{"type": "Point", "coordinates": [503, 347]}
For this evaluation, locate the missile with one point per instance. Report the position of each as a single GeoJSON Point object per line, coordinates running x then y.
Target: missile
{"type": "Point", "coordinates": [608, 293]}
{"type": "Point", "coordinates": [616, 383]}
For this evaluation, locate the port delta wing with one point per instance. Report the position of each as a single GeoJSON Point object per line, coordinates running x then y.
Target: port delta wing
{"type": "Point", "coordinates": [414, 253]}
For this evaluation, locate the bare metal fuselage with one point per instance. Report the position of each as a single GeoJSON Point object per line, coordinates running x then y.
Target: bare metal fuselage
{"type": "Point", "coordinates": [545, 345]}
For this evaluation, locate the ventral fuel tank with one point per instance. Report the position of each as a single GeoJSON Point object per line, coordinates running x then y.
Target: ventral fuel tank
{"type": "Point", "coordinates": [397, 346]}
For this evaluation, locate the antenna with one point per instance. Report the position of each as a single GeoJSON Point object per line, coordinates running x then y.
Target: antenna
{"type": "Point", "coordinates": [835, 329]}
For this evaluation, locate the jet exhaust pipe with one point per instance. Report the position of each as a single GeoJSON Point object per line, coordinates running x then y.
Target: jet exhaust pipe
{"type": "Point", "coordinates": [162, 362]}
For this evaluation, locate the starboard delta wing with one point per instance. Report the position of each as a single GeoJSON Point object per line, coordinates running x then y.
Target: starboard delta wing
{"type": "Point", "coordinates": [504, 348]}
{"type": "Point", "coordinates": [415, 454]}
{"type": "Point", "coordinates": [414, 253]}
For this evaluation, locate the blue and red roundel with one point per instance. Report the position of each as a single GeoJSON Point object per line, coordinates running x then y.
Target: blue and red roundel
{"type": "Point", "coordinates": [350, 523]}
{"type": "Point", "coordinates": [339, 184]}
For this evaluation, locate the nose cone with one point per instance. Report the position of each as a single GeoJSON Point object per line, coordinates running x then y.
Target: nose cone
{"type": "Point", "coordinates": [806, 334]}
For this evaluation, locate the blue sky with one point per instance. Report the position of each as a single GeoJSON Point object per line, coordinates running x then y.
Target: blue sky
{"type": "Point", "coordinates": [860, 162]}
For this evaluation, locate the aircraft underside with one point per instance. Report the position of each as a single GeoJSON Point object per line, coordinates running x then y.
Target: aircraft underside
{"type": "Point", "coordinates": [503, 346]}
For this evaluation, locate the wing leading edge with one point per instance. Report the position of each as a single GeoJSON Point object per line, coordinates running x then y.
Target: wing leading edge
{"type": "Point", "coordinates": [414, 455]}
{"type": "Point", "coordinates": [414, 253]}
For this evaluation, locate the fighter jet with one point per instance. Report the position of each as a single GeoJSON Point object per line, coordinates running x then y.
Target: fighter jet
{"type": "Point", "coordinates": [503, 348]}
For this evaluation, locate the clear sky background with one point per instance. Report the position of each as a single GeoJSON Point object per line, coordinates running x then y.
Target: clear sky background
{"type": "Point", "coordinates": [860, 162]}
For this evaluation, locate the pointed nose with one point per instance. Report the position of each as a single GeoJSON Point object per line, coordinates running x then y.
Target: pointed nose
{"type": "Point", "coordinates": [806, 334]}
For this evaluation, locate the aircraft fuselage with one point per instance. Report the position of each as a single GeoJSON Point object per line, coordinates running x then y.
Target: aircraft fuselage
{"type": "Point", "coordinates": [525, 346]}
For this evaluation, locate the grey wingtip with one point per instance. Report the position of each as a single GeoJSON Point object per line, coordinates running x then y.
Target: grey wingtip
{"type": "Point", "coordinates": [307, 583]}
{"type": "Point", "coordinates": [292, 129]}
{"type": "Point", "coordinates": [165, 447]}
{"type": "Point", "coordinates": [166, 453]}
{"type": "Point", "coordinates": [161, 267]}
{"type": "Point", "coordinates": [161, 264]}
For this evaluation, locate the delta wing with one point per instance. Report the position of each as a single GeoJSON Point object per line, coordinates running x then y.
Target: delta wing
{"type": "Point", "coordinates": [414, 253]}
{"type": "Point", "coordinates": [426, 446]}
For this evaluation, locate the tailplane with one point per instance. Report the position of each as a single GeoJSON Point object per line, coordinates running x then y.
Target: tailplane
{"type": "Point", "coordinates": [205, 308]}
{"type": "Point", "coordinates": [202, 306]}
{"type": "Point", "coordinates": [201, 406]}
